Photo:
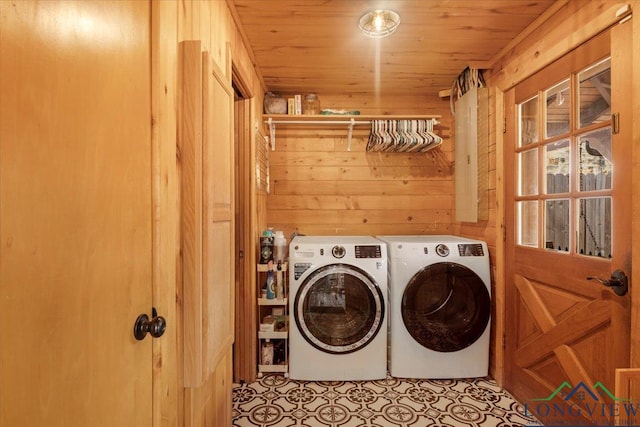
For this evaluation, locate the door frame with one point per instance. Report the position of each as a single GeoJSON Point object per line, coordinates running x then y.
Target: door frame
{"type": "Point", "coordinates": [165, 189]}
{"type": "Point", "coordinates": [566, 272]}
{"type": "Point", "coordinates": [581, 23]}
{"type": "Point", "coordinates": [245, 358]}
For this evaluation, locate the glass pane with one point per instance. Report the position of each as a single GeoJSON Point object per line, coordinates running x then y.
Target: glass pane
{"type": "Point", "coordinates": [594, 227]}
{"type": "Point", "coordinates": [528, 172]}
{"type": "Point", "coordinates": [528, 223]}
{"type": "Point", "coordinates": [594, 151]}
{"type": "Point", "coordinates": [528, 121]}
{"type": "Point", "coordinates": [594, 93]}
{"type": "Point", "coordinates": [557, 162]}
{"type": "Point", "coordinates": [556, 234]}
{"type": "Point", "coordinates": [446, 307]}
{"type": "Point", "coordinates": [558, 103]}
{"type": "Point", "coordinates": [339, 309]}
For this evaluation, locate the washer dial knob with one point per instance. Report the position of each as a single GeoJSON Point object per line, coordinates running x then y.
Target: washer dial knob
{"type": "Point", "coordinates": [442, 250]}
{"type": "Point", "coordinates": [338, 251]}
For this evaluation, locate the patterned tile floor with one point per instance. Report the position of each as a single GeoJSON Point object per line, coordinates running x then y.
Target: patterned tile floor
{"type": "Point", "coordinates": [276, 401]}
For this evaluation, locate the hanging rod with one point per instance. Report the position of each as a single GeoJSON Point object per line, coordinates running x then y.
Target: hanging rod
{"type": "Point", "coordinates": [350, 123]}
{"type": "Point", "coordinates": [319, 122]}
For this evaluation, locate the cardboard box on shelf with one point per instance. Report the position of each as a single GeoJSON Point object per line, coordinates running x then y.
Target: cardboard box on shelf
{"type": "Point", "coordinates": [268, 324]}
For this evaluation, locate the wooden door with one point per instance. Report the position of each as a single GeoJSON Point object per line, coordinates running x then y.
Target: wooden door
{"type": "Point", "coordinates": [75, 213]}
{"type": "Point", "coordinates": [568, 219]}
{"type": "Point", "coordinates": [205, 142]}
{"type": "Point", "coordinates": [218, 211]}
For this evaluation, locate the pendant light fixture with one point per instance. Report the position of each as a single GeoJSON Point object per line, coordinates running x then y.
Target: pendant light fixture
{"type": "Point", "coordinates": [379, 23]}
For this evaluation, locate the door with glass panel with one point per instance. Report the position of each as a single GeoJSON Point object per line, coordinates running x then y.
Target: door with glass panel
{"type": "Point", "coordinates": [568, 229]}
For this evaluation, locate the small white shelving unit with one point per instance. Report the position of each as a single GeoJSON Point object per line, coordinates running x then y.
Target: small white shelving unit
{"type": "Point", "coordinates": [278, 338]}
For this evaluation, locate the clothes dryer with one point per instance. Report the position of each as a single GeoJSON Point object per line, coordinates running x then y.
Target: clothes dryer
{"type": "Point", "coordinates": [440, 306]}
{"type": "Point", "coordinates": [338, 293]}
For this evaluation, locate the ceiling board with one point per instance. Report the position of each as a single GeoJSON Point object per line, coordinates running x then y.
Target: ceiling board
{"type": "Point", "coordinates": [303, 46]}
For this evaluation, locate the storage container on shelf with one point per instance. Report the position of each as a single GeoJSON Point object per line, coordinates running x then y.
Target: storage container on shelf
{"type": "Point", "coordinates": [279, 247]}
{"type": "Point", "coordinates": [311, 104]}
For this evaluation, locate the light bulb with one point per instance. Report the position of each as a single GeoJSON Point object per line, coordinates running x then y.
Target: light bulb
{"type": "Point", "coordinates": [378, 21]}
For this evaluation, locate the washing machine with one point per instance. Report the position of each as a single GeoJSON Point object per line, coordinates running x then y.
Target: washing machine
{"type": "Point", "coordinates": [440, 307]}
{"type": "Point", "coordinates": [337, 299]}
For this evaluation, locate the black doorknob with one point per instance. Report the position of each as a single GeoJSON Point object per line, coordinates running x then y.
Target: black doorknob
{"type": "Point", "coordinates": [619, 282]}
{"type": "Point", "coordinates": [156, 326]}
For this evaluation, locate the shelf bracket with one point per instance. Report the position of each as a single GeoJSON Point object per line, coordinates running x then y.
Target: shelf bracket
{"type": "Point", "coordinates": [352, 122]}
{"type": "Point", "coordinates": [272, 133]}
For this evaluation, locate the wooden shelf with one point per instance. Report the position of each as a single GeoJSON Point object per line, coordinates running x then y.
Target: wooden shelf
{"type": "Point", "coordinates": [311, 119]}
{"type": "Point", "coordinates": [350, 121]}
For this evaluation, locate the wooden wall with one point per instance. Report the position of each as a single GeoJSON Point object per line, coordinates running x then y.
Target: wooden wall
{"type": "Point", "coordinates": [172, 22]}
{"type": "Point", "coordinates": [320, 188]}
{"type": "Point", "coordinates": [488, 231]}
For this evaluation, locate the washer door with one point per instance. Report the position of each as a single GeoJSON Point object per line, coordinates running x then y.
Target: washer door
{"type": "Point", "coordinates": [446, 307]}
{"type": "Point", "coordinates": [339, 308]}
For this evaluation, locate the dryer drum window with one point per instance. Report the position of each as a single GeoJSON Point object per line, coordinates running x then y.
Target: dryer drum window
{"type": "Point", "coordinates": [339, 309]}
{"type": "Point", "coordinates": [446, 307]}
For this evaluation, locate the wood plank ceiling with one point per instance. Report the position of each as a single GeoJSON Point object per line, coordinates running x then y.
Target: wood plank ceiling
{"type": "Point", "coordinates": [303, 46]}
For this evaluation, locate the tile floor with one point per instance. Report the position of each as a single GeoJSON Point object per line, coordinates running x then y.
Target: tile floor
{"type": "Point", "coordinates": [276, 401]}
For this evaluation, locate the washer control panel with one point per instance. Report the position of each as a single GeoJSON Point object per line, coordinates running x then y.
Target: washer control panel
{"type": "Point", "coordinates": [368, 251]}
{"type": "Point", "coordinates": [470, 249]}
{"type": "Point", "coordinates": [299, 268]}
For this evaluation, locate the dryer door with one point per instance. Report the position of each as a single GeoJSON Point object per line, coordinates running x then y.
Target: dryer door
{"type": "Point", "coordinates": [446, 307]}
{"type": "Point", "coordinates": [339, 308]}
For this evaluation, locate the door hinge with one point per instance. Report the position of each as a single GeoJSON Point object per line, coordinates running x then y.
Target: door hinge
{"type": "Point", "coordinates": [615, 123]}
{"type": "Point", "coordinates": [504, 341]}
{"type": "Point", "coordinates": [504, 125]}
